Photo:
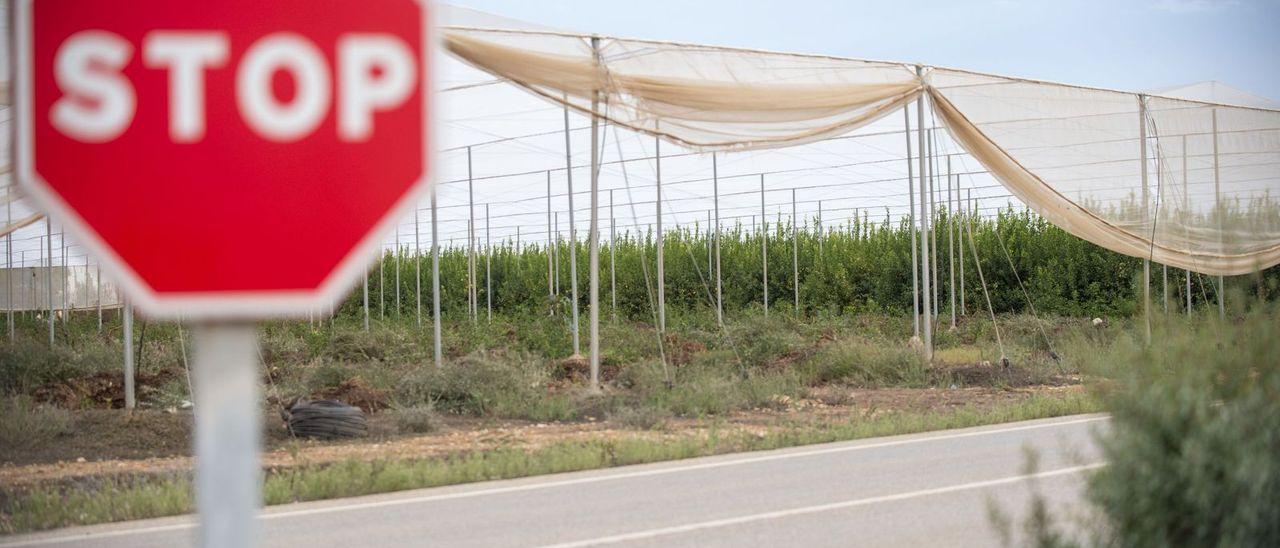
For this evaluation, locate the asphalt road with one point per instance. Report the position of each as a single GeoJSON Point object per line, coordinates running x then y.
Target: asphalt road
{"type": "Point", "coordinates": [925, 489]}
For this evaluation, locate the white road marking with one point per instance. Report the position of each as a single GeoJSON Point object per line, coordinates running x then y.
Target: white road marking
{"type": "Point", "coordinates": [272, 515]}
{"type": "Point", "coordinates": [739, 520]}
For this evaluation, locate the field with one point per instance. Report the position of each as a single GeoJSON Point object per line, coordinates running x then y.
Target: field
{"type": "Point", "coordinates": [510, 399]}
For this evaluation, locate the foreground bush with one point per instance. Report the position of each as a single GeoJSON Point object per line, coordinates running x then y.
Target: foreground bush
{"type": "Point", "coordinates": [1193, 451]}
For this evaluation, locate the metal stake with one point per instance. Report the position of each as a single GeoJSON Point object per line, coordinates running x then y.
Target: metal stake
{"type": "Point", "coordinates": [435, 281]}
{"type": "Point", "coordinates": [764, 249]}
{"type": "Point", "coordinates": [471, 239]}
{"type": "Point", "coordinates": [488, 269]}
{"type": "Point", "coordinates": [1217, 204]}
{"type": "Point", "coordinates": [613, 262]}
{"type": "Point", "coordinates": [715, 186]}
{"type": "Point", "coordinates": [951, 246]}
{"type": "Point", "coordinates": [130, 400]}
{"type": "Point", "coordinates": [662, 288]}
{"type": "Point", "coordinates": [551, 269]}
{"type": "Point", "coordinates": [1146, 261]}
{"type": "Point", "coordinates": [924, 227]}
{"type": "Point", "coordinates": [593, 233]}
{"type": "Point", "coordinates": [911, 222]}
{"type": "Point", "coordinates": [795, 255]}
{"type": "Point", "coordinates": [573, 230]}
{"type": "Point", "coordinates": [417, 273]}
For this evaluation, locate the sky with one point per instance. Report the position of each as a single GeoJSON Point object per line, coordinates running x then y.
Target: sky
{"type": "Point", "coordinates": [1130, 45]}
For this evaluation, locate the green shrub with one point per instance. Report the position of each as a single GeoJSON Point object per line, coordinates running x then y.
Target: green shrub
{"type": "Point", "coordinates": [26, 424]}
{"type": "Point", "coordinates": [864, 363]}
{"type": "Point", "coordinates": [416, 419]}
{"type": "Point", "coordinates": [477, 384]}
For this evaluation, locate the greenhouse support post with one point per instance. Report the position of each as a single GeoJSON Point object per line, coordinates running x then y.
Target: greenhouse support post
{"type": "Point", "coordinates": [764, 250]}
{"type": "Point", "coordinates": [395, 262]}
{"type": "Point", "coordinates": [593, 231]}
{"type": "Point", "coordinates": [927, 325]}
{"type": "Point", "coordinates": [795, 255]}
{"type": "Point", "coordinates": [488, 267]}
{"type": "Point", "coordinates": [97, 284]}
{"type": "Point", "coordinates": [471, 241]}
{"type": "Point", "coordinates": [662, 288]}
{"type": "Point", "coordinates": [573, 228]}
{"type": "Point", "coordinates": [613, 271]}
{"type": "Point", "coordinates": [1146, 215]}
{"type": "Point", "coordinates": [1186, 206]}
{"type": "Point", "coordinates": [417, 268]}
{"type": "Point", "coordinates": [130, 399]}
{"type": "Point", "coordinates": [911, 223]}
{"type": "Point", "coordinates": [366, 300]}
{"type": "Point", "coordinates": [1220, 212]}
{"type": "Point", "coordinates": [715, 189]}
{"type": "Point", "coordinates": [435, 281]}
{"type": "Point", "coordinates": [48, 240]}
{"type": "Point", "coordinates": [951, 246]}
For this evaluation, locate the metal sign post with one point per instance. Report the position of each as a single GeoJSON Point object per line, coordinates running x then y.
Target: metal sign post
{"type": "Point", "coordinates": [127, 180]}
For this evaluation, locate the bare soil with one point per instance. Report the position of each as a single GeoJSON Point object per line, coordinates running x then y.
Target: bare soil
{"type": "Point", "coordinates": [144, 442]}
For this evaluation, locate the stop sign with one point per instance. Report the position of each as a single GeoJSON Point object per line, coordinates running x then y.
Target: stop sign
{"type": "Point", "coordinates": [230, 158]}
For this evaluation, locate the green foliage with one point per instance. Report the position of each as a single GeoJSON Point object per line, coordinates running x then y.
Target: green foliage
{"type": "Point", "coordinates": [416, 419]}
{"type": "Point", "coordinates": [858, 265]}
{"type": "Point", "coordinates": [26, 424]}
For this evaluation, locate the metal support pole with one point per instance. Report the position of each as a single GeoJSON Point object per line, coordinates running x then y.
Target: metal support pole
{"type": "Point", "coordinates": [818, 226]}
{"type": "Point", "coordinates": [8, 253]}
{"type": "Point", "coordinates": [764, 249]}
{"type": "Point", "coordinates": [662, 287]}
{"type": "Point", "coordinates": [1186, 208]}
{"type": "Point", "coordinates": [366, 300]}
{"type": "Point", "coordinates": [130, 399]}
{"type": "Point", "coordinates": [911, 224]}
{"type": "Point", "coordinates": [227, 431]}
{"type": "Point", "coordinates": [488, 267]}
{"type": "Point", "coordinates": [48, 240]}
{"type": "Point", "coordinates": [711, 265]}
{"type": "Point", "coordinates": [1146, 217]}
{"type": "Point", "coordinates": [951, 246]}
{"type": "Point", "coordinates": [395, 258]}
{"type": "Point", "coordinates": [924, 228]}
{"type": "Point", "coordinates": [557, 253]}
{"type": "Point", "coordinates": [933, 233]}
{"type": "Point", "coordinates": [417, 271]}
{"type": "Point", "coordinates": [795, 254]}
{"type": "Point", "coordinates": [715, 188]}
{"type": "Point", "coordinates": [435, 281]}
{"type": "Point", "coordinates": [573, 235]}
{"type": "Point", "coordinates": [551, 267]}
{"type": "Point", "coordinates": [593, 231]}
{"type": "Point", "coordinates": [963, 212]}
{"type": "Point", "coordinates": [1221, 213]}
{"type": "Point", "coordinates": [382, 293]}
{"type": "Point", "coordinates": [471, 240]}
{"type": "Point", "coordinates": [613, 270]}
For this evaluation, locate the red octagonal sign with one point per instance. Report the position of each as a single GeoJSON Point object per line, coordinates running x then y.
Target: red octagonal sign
{"type": "Point", "coordinates": [227, 158]}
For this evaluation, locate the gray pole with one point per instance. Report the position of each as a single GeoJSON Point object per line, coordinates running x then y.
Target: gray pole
{"type": "Point", "coordinates": [417, 273]}
{"type": "Point", "coordinates": [711, 265]}
{"type": "Point", "coordinates": [366, 300]}
{"type": "Point", "coordinates": [1221, 212]}
{"type": "Point", "coordinates": [1186, 207]}
{"type": "Point", "coordinates": [130, 400]}
{"type": "Point", "coordinates": [662, 288]}
{"type": "Point", "coordinates": [488, 267]}
{"type": "Point", "coordinates": [764, 249]}
{"type": "Point", "coordinates": [818, 226]}
{"type": "Point", "coordinates": [613, 270]}
{"type": "Point", "coordinates": [8, 253]}
{"type": "Point", "coordinates": [933, 234]}
{"type": "Point", "coordinates": [1146, 261]}
{"type": "Point", "coordinates": [227, 434]}
{"type": "Point", "coordinates": [573, 232]}
{"type": "Point", "coordinates": [557, 254]}
{"type": "Point", "coordinates": [382, 293]}
{"type": "Point", "coordinates": [715, 188]}
{"type": "Point", "coordinates": [396, 258]}
{"type": "Point", "coordinates": [97, 280]}
{"type": "Point", "coordinates": [551, 269]}
{"type": "Point", "coordinates": [911, 224]}
{"type": "Point", "coordinates": [795, 254]}
{"type": "Point", "coordinates": [951, 246]}
{"type": "Point", "coordinates": [471, 240]}
{"type": "Point", "coordinates": [435, 280]}
{"type": "Point", "coordinates": [48, 240]}
{"type": "Point", "coordinates": [593, 234]}
{"type": "Point", "coordinates": [963, 212]}
{"type": "Point", "coordinates": [924, 228]}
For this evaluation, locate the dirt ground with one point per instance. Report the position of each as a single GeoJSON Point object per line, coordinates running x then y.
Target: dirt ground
{"type": "Point", "coordinates": [114, 443]}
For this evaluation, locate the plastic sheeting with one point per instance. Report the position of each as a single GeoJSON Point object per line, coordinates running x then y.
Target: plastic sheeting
{"type": "Point", "coordinates": [1198, 195]}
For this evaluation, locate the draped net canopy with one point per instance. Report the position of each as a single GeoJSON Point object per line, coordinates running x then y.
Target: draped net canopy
{"type": "Point", "coordinates": [1186, 182]}
{"type": "Point", "coordinates": [1198, 195]}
